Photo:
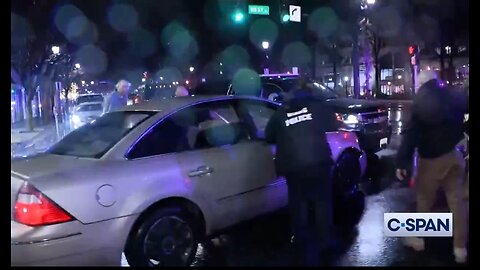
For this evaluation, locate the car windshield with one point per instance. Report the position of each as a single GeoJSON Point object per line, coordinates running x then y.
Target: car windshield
{"type": "Point", "coordinates": [318, 88]}
{"type": "Point", "coordinates": [90, 107]}
{"type": "Point", "coordinates": [95, 139]}
{"type": "Point", "coordinates": [323, 90]}
{"type": "Point", "coordinates": [90, 98]}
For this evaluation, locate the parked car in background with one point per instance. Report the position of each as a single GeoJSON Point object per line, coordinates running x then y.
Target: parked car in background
{"type": "Point", "coordinates": [85, 113]}
{"type": "Point", "coordinates": [88, 98]}
{"type": "Point", "coordinates": [154, 179]}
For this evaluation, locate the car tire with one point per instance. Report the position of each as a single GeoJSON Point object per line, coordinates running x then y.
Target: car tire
{"type": "Point", "coordinates": [166, 237]}
{"type": "Point", "coordinates": [349, 200]}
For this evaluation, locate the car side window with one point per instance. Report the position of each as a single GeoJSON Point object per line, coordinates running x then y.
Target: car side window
{"type": "Point", "coordinates": [260, 113]}
{"type": "Point", "coordinates": [197, 127]}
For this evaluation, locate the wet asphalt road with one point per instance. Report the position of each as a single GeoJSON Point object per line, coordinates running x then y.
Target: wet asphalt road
{"type": "Point", "coordinates": [265, 240]}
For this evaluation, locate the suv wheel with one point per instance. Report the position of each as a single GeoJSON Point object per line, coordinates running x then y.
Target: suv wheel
{"type": "Point", "coordinates": [166, 237]}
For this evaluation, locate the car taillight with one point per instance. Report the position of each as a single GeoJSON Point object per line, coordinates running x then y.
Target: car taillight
{"type": "Point", "coordinates": [33, 208]}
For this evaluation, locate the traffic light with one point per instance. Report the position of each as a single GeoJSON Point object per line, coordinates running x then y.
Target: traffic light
{"type": "Point", "coordinates": [285, 17]}
{"type": "Point", "coordinates": [238, 17]}
{"type": "Point", "coordinates": [412, 50]}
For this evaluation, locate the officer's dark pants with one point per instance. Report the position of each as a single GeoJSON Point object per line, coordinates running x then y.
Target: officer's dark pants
{"type": "Point", "coordinates": [310, 204]}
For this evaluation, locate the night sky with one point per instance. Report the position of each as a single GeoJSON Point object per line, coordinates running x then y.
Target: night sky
{"type": "Point", "coordinates": [114, 39]}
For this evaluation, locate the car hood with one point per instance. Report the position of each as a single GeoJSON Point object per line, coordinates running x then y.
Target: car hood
{"type": "Point", "coordinates": [351, 105]}
{"type": "Point", "coordinates": [42, 165]}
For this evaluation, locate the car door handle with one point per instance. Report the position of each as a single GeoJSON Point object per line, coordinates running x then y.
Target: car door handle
{"type": "Point", "coordinates": [202, 170]}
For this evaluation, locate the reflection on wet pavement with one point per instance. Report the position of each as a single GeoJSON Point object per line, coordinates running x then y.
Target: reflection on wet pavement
{"type": "Point", "coordinates": [265, 241]}
{"type": "Point", "coordinates": [398, 115]}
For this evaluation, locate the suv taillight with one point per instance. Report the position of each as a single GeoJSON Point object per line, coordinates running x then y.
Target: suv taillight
{"type": "Point", "coordinates": [33, 208]}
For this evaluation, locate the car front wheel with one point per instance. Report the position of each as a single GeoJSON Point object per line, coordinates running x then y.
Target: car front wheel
{"type": "Point", "coordinates": [166, 237]}
{"type": "Point", "coordinates": [349, 200]}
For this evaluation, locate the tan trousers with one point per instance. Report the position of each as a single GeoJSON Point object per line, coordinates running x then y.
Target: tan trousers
{"type": "Point", "coordinates": [448, 173]}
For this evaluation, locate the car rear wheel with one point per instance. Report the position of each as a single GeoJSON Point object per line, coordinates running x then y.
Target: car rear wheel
{"type": "Point", "coordinates": [166, 237]}
{"type": "Point", "coordinates": [349, 200]}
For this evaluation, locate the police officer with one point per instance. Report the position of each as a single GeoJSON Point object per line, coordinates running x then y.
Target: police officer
{"type": "Point", "coordinates": [303, 156]}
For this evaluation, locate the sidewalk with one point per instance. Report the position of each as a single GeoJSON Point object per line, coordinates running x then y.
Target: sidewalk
{"type": "Point", "coordinates": [37, 123]}
{"type": "Point", "coordinates": [18, 136]}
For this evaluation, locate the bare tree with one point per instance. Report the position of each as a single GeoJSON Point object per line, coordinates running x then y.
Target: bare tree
{"type": "Point", "coordinates": [27, 61]}
{"type": "Point", "coordinates": [29, 49]}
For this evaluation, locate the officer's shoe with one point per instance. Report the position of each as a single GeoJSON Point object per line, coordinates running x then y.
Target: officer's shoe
{"type": "Point", "coordinates": [418, 244]}
{"type": "Point", "coordinates": [460, 255]}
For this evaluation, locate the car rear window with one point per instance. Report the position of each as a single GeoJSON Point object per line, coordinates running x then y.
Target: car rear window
{"type": "Point", "coordinates": [95, 139]}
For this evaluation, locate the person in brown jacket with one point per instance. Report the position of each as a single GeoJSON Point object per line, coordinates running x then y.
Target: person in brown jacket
{"type": "Point", "coordinates": [434, 130]}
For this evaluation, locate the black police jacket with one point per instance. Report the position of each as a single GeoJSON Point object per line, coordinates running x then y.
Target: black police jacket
{"type": "Point", "coordinates": [298, 130]}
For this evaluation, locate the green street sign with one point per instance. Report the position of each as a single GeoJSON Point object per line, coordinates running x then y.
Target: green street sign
{"type": "Point", "coordinates": [258, 10]}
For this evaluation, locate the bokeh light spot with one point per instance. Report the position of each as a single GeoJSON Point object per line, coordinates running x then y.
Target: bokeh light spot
{"type": "Point", "coordinates": [123, 17]}
{"type": "Point", "coordinates": [92, 59]}
{"type": "Point", "coordinates": [263, 29]}
{"type": "Point", "coordinates": [246, 82]}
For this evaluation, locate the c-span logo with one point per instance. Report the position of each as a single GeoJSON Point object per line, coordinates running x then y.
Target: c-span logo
{"type": "Point", "coordinates": [418, 224]}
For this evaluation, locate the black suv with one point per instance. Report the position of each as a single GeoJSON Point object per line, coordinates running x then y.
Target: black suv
{"type": "Point", "coordinates": [368, 119]}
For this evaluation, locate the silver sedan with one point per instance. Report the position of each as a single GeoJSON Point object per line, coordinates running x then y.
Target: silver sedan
{"type": "Point", "coordinates": [155, 179]}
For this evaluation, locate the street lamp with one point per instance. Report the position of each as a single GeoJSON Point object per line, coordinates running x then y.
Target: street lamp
{"type": "Point", "coordinates": [92, 82]}
{"type": "Point", "coordinates": [77, 65]}
{"type": "Point", "coordinates": [192, 69]}
{"type": "Point", "coordinates": [143, 79]}
{"type": "Point", "coordinates": [265, 45]}
{"type": "Point", "coordinates": [55, 49]}
{"type": "Point", "coordinates": [370, 2]}
{"type": "Point", "coordinates": [346, 78]}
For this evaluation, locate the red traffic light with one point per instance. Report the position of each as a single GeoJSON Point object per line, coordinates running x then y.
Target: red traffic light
{"type": "Point", "coordinates": [411, 50]}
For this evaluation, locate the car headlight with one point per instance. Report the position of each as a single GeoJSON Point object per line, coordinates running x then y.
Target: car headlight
{"type": "Point", "coordinates": [76, 119]}
{"type": "Point", "coordinates": [348, 119]}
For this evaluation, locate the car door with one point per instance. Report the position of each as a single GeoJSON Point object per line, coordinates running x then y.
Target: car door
{"type": "Point", "coordinates": [257, 113]}
{"type": "Point", "coordinates": [229, 170]}
{"type": "Point", "coordinates": [209, 152]}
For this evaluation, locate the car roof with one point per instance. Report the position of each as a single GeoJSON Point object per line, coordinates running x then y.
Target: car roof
{"type": "Point", "coordinates": [90, 103]}
{"type": "Point", "coordinates": [86, 95]}
{"type": "Point", "coordinates": [167, 104]}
